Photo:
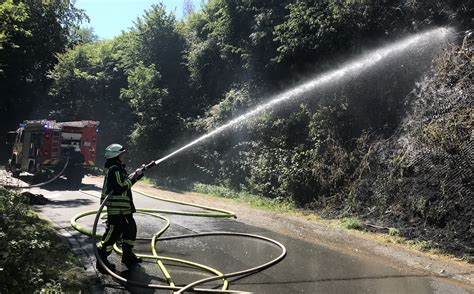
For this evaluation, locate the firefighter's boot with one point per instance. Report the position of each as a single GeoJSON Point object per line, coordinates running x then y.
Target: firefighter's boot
{"type": "Point", "coordinates": [129, 258]}
{"type": "Point", "coordinates": [103, 255]}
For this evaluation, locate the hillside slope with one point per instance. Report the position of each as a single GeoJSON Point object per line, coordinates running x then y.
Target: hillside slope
{"type": "Point", "coordinates": [420, 179]}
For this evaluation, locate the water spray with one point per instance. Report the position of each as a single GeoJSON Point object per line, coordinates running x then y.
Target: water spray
{"type": "Point", "coordinates": [349, 69]}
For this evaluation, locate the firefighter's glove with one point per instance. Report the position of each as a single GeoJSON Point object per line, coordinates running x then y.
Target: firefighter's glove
{"type": "Point", "coordinates": [137, 174]}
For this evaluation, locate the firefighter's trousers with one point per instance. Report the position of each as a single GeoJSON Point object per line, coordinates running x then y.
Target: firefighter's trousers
{"type": "Point", "coordinates": [118, 226]}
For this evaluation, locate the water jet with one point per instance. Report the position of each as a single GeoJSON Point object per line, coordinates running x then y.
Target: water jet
{"type": "Point", "coordinates": [349, 69]}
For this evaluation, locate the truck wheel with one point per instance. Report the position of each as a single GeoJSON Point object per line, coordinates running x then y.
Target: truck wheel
{"type": "Point", "coordinates": [13, 168]}
{"type": "Point", "coordinates": [74, 178]}
{"type": "Point", "coordinates": [31, 167]}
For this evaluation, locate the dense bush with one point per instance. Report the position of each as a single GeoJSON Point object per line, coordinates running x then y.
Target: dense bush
{"type": "Point", "coordinates": [401, 161]}
{"type": "Point", "coordinates": [32, 255]}
{"type": "Point", "coordinates": [421, 178]}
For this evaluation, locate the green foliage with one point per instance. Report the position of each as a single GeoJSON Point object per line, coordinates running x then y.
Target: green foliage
{"type": "Point", "coordinates": [32, 33]}
{"type": "Point", "coordinates": [82, 77]}
{"type": "Point", "coordinates": [235, 102]}
{"type": "Point", "coordinates": [86, 84]}
{"type": "Point", "coordinates": [160, 42]}
{"type": "Point", "coordinates": [449, 132]}
{"type": "Point", "coordinates": [13, 16]}
{"type": "Point", "coordinates": [146, 102]}
{"type": "Point", "coordinates": [393, 232]}
{"type": "Point", "coordinates": [351, 223]}
{"type": "Point", "coordinates": [316, 26]}
{"type": "Point", "coordinates": [398, 164]}
{"type": "Point", "coordinates": [277, 204]}
{"type": "Point", "coordinates": [148, 181]}
{"type": "Point", "coordinates": [157, 90]}
{"type": "Point", "coordinates": [422, 245]}
{"type": "Point", "coordinates": [141, 93]}
{"type": "Point", "coordinates": [313, 29]}
{"type": "Point", "coordinates": [82, 36]}
{"type": "Point", "coordinates": [32, 255]}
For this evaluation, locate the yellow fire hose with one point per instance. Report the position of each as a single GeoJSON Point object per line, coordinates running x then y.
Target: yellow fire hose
{"type": "Point", "coordinates": [212, 212]}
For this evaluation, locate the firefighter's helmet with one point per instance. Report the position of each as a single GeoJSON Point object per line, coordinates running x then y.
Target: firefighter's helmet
{"type": "Point", "coordinates": [113, 151]}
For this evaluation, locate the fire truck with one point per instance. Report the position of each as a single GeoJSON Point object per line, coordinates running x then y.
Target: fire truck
{"type": "Point", "coordinates": [44, 146]}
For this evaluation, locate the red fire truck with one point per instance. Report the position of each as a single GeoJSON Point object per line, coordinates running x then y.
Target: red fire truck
{"type": "Point", "coordinates": [41, 146]}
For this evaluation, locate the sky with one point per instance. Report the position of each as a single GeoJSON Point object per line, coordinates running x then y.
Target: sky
{"type": "Point", "coordinates": [109, 18]}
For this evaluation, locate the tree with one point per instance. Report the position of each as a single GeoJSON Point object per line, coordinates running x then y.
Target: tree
{"type": "Point", "coordinates": [31, 33]}
{"type": "Point", "coordinates": [12, 16]}
{"type": "Point", "coordinates": [87, 81]}
{"type": "Point", "coordinates": [82, 36]}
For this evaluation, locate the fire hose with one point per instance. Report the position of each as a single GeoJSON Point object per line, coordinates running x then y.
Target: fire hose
{"type": "Point", "coordinates": [212, 212]}
{"type": "Point", "coordinates": [39, 184]}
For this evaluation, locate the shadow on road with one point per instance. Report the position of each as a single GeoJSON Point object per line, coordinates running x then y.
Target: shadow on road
{"type": "Point", "coordinates": [138, 274]}
{"type": "Point", "coordinates": [70, 203]}
{"type": "Point", "coordinates": [62, 185]}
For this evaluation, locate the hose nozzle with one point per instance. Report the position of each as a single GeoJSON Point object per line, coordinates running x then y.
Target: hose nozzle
{"type": "Point", "coordinates": [149, 165]}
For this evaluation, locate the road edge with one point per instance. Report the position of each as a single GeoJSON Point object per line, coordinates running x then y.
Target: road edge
{"type": "Point", "coordinates": [87, 261]}
{"type": "Point", "coordinates": [348, 241]}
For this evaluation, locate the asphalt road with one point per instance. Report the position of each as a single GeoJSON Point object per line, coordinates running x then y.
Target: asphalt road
{"type": "Point", "coordinates": [308, 268]}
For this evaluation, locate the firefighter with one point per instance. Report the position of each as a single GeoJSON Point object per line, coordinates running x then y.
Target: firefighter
{"type": "Point", "coordinates": [120, 208]}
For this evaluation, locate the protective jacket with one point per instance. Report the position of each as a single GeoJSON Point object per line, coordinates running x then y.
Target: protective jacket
{"type": "Point", "coordinates": [116, 180]}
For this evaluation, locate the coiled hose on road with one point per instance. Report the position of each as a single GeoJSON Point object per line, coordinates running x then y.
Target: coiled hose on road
{"type": "Point", "coordinates": [213, 212]}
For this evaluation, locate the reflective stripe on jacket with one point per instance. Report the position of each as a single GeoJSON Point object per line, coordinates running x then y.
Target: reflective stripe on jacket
{"type": "Point", "coordinates": [116, 180]}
